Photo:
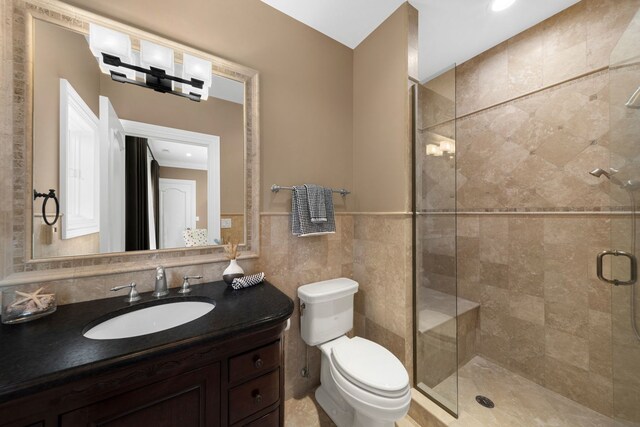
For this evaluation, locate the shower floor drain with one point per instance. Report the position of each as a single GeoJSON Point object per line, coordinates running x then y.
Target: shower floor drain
{"type": "Point", "coordinates": [485, 401]}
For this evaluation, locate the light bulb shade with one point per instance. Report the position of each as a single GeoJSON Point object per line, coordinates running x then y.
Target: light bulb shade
{"type": "Point", "coordinates": [154, 55]}
{"type": "Point", "coordinates": [433, 150]}
{"type": "Point", "coordinates": [104, 40]}
{"type": "Point", "coordinates": [196, 68]}
{"type": "Point", "coordinates": [447, 147]}
{"type": "Point", "coordinates": [109, 41]}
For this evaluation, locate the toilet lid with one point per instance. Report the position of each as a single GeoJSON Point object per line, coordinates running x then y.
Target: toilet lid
{"type": "Point", "coordinates": [370, 365]}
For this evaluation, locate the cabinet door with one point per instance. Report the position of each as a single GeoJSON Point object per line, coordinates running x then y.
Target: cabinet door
{"type": "Point", "coordinates": [191, 399]}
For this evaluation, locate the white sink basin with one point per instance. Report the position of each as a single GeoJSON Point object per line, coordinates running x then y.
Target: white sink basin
{"type": "Point", "coordinates": [149, 320]}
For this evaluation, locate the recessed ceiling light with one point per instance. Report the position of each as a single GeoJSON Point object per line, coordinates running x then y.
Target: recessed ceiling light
{"type": "Point", "coordinates": [188, 154]}
{"type": "Point", "coordinates": [499, 5]}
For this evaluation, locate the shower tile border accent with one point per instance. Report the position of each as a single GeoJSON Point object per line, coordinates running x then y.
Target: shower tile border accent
{"type": "Point", "coordinates": [550, 88]}
{"type": "Point", "coordinates": [534, 211]}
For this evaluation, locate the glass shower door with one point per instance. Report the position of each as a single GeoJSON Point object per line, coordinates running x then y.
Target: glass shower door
{"type": "Point", "coordinates": [435, 284]}
{"type": "Point", "coordinates": [624, 94]}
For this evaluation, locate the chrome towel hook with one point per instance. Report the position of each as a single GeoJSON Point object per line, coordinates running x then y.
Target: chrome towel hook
{"type": "Point", "coordinates": [47, 196]}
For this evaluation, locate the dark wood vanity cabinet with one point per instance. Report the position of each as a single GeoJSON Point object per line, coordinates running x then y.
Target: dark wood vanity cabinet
{"type": "Point", "coordinates": [235, 382]}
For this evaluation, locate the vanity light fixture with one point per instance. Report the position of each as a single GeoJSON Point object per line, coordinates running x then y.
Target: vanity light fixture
{"type": "Point", "coordinates": [196, 68]}
{"type": "Point", "coordinates": [447, 147]}
{"type": "Point", "coordinates": [113, 50]}
{"type": "Point", "coordinates": [104, 40]}
{"type": "Point", "coordinates": [500, 5]}
{"type": "Point", "coordinates": [434, 150]}
{"type": "Point", "coordinates": [155, 56]}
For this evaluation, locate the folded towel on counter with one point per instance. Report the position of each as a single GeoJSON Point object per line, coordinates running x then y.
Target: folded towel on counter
{"type": "Point", "coordinates": [315, 199]}
{"type": "Point", "coordinates": [247, 281]}
{"type": "Point", "coordinates": [301, 224]}
{"type": "Point", "coordinates": [195, 237]}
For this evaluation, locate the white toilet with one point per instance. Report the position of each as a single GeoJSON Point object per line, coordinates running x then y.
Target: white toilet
{"type": "Point", "coordinates": [362, 383]}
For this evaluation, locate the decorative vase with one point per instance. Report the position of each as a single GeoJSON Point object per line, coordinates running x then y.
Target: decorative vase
{"type": "Point", "coordinates": [232, 271]}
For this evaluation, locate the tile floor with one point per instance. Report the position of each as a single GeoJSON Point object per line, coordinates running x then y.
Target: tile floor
{"type": "Point", "coordinates": [519, 402]}
{"type": "Point", "coordinates": [305, 412]}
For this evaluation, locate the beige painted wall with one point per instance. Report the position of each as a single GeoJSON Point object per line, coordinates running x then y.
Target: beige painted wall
{"type": "Point", "coordinates": [305, 83]}
{"type": "Point", "coordinates": [381, 168]}
{"type": "Point", "coordinates": [213, 116]}
{"type": "Point", "coordinates": [74, 63]}
{"type": "Point", "coordinates": [200, 177]}
{"type": "Point", "coordinates": [381, 148]}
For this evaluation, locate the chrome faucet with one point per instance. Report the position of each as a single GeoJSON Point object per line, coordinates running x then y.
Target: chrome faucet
{"type": "Point", "coordinates": [186, 286]}
{"type": "Point", "coordinates": [133, 294]}
{"type": "Point", "coordinates": [161, 283]}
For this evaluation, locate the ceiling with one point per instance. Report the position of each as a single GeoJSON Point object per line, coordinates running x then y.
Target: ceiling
{"type": "Point", "coordinates": [178, 154]}
{"type": "Point", "coordinates": [451, 31]}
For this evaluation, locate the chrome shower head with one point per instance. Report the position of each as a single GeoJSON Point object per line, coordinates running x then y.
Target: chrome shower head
{"type": "Point", "coordinates": [630, 185]}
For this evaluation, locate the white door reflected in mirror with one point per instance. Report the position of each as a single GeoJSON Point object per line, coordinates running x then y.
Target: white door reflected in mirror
{"type": "Point", "coordinates": [177, 210]}
{"type": "Point", "coordinates": [80, 161]}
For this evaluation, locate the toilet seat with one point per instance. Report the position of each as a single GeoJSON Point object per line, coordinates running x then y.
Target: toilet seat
{"type": "Point", "coordinates": [369, 366]}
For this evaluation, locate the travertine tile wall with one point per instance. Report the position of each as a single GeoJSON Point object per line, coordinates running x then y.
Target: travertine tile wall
{"type": "Point", "coordinates": [291, 262]}
{"type": "Point", "coordinates": [48, 242]}
{"type": "Point", "coordinates": [543, 313]}
{"type": "Point", "coordinates": [535, 152]}
{"type": "Point", "coordinates": [533, 119]}
{"type": "Point", "coordinates": [382, 265]}
{"type": "Point", "coordinates": [626, 158]}
{"type": "Point", "coordinates": [574, 42]}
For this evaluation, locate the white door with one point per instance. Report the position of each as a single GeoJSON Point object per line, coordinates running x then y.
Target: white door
{"type": "Point", "coordinates": [177, 210]}
{"type": "Point", "coordinates": [112, 179]}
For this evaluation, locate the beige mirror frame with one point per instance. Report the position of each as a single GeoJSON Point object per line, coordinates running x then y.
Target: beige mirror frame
{"type": "Point", "coordinates": [16, 262]}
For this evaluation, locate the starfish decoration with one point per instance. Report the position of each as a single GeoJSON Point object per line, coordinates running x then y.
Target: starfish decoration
{"type": "Point", "coordinates": [36, 297]}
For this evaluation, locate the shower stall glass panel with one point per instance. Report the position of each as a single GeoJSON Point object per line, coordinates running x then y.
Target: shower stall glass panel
{"type": "Point", "coordinates": [624, 93]}
{"type": "Point", "coordinates": [436, 318]}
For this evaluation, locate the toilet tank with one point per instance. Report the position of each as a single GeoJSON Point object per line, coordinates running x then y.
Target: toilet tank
{"type": "Point", "coordinates": [327, 309]}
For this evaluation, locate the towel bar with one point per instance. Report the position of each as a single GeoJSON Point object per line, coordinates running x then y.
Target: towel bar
{"type": "Point", "coordinates": [275, 188]}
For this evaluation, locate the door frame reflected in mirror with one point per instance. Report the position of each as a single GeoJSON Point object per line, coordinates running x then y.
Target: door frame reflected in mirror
{"type": "Point", "coordinates": [210, 142]}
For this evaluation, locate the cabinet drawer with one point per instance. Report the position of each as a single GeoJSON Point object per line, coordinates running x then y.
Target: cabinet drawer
{"type": "Point", "coordinates": [272, 419]}
{"type": "Point", "coordinates": [251, 397]}
{"type": "Point", "coordinates": [254, 362]}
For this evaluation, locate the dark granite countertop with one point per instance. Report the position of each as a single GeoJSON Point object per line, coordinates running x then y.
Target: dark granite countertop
{"type": "Point", "coordinates": [52, 350]}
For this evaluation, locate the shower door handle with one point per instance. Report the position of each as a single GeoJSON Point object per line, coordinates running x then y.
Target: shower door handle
{"type": "Point", "coordinates": [633, 265]}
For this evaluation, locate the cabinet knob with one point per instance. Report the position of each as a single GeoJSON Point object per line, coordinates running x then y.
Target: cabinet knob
{"type": "Point", "coordinates": [257, 362]}
{"type": "Point", "coordinates": [257, 397]}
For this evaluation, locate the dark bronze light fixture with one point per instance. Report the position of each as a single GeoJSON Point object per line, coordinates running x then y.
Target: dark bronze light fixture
{"type": "Point", "coordinates": [156, 63]}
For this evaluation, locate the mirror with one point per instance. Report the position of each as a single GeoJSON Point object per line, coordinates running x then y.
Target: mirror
{"type": "Point", "coordinates": [133, 168]}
